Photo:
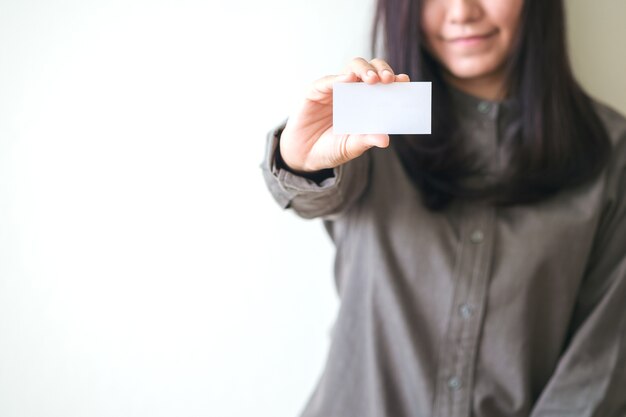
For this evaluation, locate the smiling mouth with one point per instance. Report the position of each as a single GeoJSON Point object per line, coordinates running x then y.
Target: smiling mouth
{"type": "Point", "coordinates": [472, 38]}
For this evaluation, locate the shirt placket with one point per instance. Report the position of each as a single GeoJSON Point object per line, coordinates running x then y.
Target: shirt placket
{"type": "Point", "coordinates": [460, 343]}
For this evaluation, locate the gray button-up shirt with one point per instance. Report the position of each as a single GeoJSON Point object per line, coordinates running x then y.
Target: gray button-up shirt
{"type": "Point", "coordinates": [475, 310]}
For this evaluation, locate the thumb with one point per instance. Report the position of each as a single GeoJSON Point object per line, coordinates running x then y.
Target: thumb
{"type": "Point", "coordinates": [354, 146]}
{"type": "Point", "coordinates": [379, 140]}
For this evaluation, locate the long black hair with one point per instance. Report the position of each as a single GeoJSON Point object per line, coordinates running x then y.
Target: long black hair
{"type": "Point", "coordinates": [561, 142]}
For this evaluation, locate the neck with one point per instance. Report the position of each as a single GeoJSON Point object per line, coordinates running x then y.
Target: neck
{"type": "Point", "coordinates": [488, 87]}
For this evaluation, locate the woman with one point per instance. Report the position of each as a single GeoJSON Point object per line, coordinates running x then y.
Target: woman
{"type": "Point", "coordinates": [482, 269]}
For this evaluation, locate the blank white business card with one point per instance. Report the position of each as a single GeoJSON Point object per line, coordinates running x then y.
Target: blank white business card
{"type": "Point", "coordinates": [396, 108]}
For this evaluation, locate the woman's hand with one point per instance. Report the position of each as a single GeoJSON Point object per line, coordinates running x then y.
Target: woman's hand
{"type": "Point", "coordinates": [307, 143]}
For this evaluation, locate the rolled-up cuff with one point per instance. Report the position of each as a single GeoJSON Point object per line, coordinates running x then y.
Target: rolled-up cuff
{"type": "Point", "coordinates": [285, 185]}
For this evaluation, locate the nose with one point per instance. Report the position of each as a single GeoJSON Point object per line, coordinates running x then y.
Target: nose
{"type": "Point", "coordinates": [464, 11]}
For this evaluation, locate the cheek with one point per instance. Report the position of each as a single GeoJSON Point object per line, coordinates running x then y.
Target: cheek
{"type": "Point", "coordinates": [431, 21]}
{"type": "Point", "coordinates": [507, 15]}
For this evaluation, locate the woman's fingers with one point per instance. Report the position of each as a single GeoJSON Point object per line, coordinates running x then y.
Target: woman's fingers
{"type": "Point", "coordinates": [366, 72]}
{"type": "Point", "coordinates": [323, 87]}
{"type": "Point", "coordinates": [402, 78]}
{"type": "Point", "coordinates": [375, 71]}
{"type": "Point", "coordinates": [384, 71]}
{"type": "Point", "coordinates": [325, 84]}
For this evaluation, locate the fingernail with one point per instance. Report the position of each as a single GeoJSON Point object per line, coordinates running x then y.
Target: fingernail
{"type": "Point", "coordinates": [371, 73]}
{"type": "Point", "coordinates": [387, 72]}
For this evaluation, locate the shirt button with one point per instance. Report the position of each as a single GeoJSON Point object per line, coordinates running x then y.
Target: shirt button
{"type": "Point", "coordinates": [454, 383]}
{"type": "Point", "coordinates": [477, 236]}
{"type": "Point", "coordinates": [466, 311]}
{"type": "Point", "coordinates": [484, 107]}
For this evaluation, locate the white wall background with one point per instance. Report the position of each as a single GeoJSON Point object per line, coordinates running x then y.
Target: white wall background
{"type": "Point", "coordinates": [144, 268]}
{"type": "Point", "coordinates": [597, 36]}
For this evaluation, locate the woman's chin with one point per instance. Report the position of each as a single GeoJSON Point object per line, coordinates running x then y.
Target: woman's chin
{"type": "Point", "coordinates": [475, 73]}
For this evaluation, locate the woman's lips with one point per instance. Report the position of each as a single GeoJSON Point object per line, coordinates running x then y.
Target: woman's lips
{"type": "Point", "coordinates": [471, 40]}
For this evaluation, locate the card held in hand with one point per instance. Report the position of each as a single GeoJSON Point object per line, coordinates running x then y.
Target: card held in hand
{"type": "Point", "coordinates": [396, 108]}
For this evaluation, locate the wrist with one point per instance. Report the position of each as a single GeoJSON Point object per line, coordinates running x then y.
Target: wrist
{"type": "Point", "coordinates": [316, 176]}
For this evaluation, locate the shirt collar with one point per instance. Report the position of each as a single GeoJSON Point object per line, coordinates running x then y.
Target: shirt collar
{"type": "Point", "coordinates": [477, 107]}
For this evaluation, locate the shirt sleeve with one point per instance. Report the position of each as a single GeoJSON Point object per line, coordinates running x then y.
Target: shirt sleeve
{"type": "Point", "coordinates": [328, 199]}
{"type": "Point", "coordinates": [590, 378]}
